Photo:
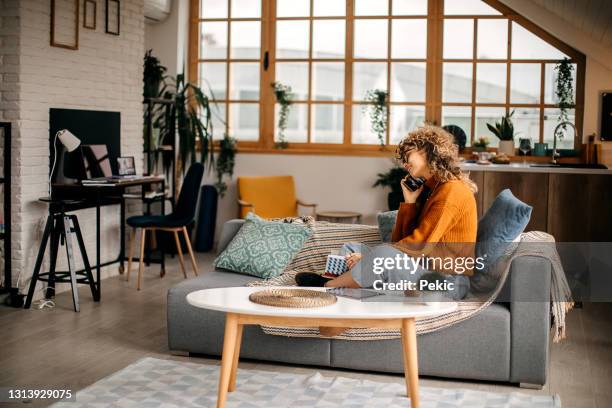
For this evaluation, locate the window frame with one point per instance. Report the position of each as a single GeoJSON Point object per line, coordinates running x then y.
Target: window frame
{"type": "Point", "coordinates": [433, 83]}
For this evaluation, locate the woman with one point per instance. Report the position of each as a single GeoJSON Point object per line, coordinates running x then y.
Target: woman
{"type": "Point", "coordinates": [438, 219]}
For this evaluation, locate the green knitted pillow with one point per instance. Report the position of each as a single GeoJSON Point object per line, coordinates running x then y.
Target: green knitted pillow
{"type": "Point", "coordinates": [262, 248]}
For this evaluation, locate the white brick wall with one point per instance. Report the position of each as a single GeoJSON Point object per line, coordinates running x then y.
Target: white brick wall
{"type": "Point", "coordinates": [105, 73]}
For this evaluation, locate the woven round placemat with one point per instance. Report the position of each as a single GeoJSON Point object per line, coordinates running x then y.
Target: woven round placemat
{"type": "Point", "coordinates": [292, 298]}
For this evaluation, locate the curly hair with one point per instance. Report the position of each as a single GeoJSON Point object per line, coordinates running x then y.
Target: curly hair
{"type": "Point", "coordinates": [440, 152]}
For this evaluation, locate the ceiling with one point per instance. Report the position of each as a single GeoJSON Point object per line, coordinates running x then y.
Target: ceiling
{"type": "Point", "coordinates": [592, 17]}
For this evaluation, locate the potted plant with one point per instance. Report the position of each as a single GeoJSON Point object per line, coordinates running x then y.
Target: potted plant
{"type": "Point", "coordinates": [392, 179]}
{"type": "Point", "coordinates": [153, 75]}
{"type": "Point", "coordinates": [564, 91]}
{"type": "Point", "coordinates": [379, 111]}
{"type": "Point", "coordinates": [504, 130]}
{"type": "Point", "coordinates": [226, 160]}
{"type": "Point", "coordinates": [284, 98]}
{"type": "Point", "coordinates": [189, 117]}
{"type": "Point", "coordinates": [480, 144]}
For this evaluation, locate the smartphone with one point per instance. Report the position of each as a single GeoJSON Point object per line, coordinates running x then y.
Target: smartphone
{"type": "Point", "coordinates": [413, 184]}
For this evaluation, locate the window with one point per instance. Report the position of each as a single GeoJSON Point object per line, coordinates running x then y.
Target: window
{"type": "Point", "coordinates": [228, 64]}
{"type": "Point", "coordinates": [460, 62]}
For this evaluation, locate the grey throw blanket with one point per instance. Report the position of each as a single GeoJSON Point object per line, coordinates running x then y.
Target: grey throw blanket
{"type": "Point", "coordinates": [489, 289]}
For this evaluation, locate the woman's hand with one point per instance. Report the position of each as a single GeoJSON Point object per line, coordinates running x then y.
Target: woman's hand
{"type": "Point", "coordinates": [352, 259]}
{"type": "Point", "coordinates": [409, 195]}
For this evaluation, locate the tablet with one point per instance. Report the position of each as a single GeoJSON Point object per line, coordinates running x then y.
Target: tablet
{"type": "Point", "coordinates": [354, 293]}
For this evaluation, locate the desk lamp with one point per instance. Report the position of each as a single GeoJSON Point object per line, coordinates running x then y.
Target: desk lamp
{"type": "Point", "coordinates": [69, 141]}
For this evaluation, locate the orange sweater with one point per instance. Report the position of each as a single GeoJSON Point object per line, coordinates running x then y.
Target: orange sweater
{"type": "Point", "coordinates": [448, 217]}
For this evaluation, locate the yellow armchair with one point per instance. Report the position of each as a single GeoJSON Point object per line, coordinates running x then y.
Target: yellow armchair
{"type": "Point", "coordinates": [269, 197]}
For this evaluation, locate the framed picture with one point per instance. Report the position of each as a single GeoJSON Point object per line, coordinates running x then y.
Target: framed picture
{"type": "Point", "coordinates": [65, 24]}
{"type": "Point", "coordinates": [89, 14]}
{"type": "Point", "coordinates": [113, 17]}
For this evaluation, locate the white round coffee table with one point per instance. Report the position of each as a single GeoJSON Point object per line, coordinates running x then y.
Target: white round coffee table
{"type": "Point", "coordinates": [345, 312]}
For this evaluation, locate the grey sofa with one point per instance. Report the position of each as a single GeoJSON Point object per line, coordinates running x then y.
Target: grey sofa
{"type": "Point", "coordinates": [506, 342]}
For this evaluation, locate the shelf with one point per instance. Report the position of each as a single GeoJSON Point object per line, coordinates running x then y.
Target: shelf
{"type": "Point", "coordinates": [165, 148]}
{"type": "Point", "coordinates": [162, 101]}
{"type": "Point", "coordinates": [2, 234]}
{"type": "Point", "coordinates": [136, 196]}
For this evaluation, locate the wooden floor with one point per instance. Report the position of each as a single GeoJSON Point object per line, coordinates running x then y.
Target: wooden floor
{"type": "Point", "coordinates": [59, 348]}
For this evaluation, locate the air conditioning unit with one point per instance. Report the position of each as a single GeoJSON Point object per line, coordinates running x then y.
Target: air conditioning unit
{"type": "Point", "coordinates": [157, 10]}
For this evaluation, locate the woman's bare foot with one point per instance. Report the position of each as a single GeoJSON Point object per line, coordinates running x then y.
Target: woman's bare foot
{"type": "Point", "coordinates": [331, 331]}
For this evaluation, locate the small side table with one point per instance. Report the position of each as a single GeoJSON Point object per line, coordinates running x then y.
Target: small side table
{"type": "Point", "coordinates": [343, 217]}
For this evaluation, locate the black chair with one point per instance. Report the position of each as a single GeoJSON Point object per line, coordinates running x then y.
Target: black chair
{"type": "Point", "coordinates": [178, 221]}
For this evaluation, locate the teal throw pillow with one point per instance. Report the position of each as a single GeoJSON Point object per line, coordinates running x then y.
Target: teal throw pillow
{"type": "Point", "coordinates": [263, 248]}
{"type": "Point", "coordinates": [386, 223]}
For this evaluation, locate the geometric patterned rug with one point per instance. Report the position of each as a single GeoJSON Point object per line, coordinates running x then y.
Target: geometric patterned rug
{"type": "Point", "coordinates": [152, 382]}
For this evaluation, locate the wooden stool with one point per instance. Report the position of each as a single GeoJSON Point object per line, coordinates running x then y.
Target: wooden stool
{"type": "Point", "coordinates": [60, 228]}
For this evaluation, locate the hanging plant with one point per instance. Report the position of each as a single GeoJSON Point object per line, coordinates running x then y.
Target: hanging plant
{"type": "Point", "coordinates": [564, 91]}
{"type": "Point", "coordinates": [226, 159]}
{"type": "Point", "coordinates": [284, 97]}
{"type": "Point", "coordinates": [378, 111]}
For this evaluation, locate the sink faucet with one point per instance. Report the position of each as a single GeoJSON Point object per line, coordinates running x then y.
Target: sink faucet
{"type": "Point", "coordinates": [556, 154]}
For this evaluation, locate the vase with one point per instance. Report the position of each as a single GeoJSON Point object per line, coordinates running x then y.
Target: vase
{"type": "Point", "coordinates": [151, 88]}
{"type": "Point", "coordinates": [506, 147]}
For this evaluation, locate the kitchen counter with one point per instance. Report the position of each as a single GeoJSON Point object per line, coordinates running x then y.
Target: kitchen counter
{"type": "Point", "coordinates": [571, 204]}
{"type": "Point", "coordinates": [526, 168]}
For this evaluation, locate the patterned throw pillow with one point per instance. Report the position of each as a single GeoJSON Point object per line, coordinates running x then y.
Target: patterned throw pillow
{"type": "Point", "coordinates": [263, 248]}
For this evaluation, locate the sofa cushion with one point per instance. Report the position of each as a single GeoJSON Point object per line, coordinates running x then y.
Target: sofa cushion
{"type": "Point", "coordinates": [386, 223]}
{"type": "Point", "coordinates": [327, 238]}
{"type": "Point", "coordinates": [262, 248]}
{"type": "Point", "coordinates": [478, 348]}
{"type": "Point", "coordinates": [500, 226]}
{"type": "Point", "coordinates": [200, 331]}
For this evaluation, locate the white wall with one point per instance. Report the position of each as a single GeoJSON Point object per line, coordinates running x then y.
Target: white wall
{"type": "Point", "coordinates": [598, 79]}
{"type": "Point", "coordinates": [332, 182]}
{"type": "Point", "coordinates": [105, 73]}
{"type": "Point", "coordinates": [168, 38]}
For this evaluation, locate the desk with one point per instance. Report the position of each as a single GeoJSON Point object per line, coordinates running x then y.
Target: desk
{"type": "Point", "coordinates": [99, 195]}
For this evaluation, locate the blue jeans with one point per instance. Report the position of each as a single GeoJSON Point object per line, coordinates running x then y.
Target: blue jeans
{"type": "Point", "coordinates": [365, 276]}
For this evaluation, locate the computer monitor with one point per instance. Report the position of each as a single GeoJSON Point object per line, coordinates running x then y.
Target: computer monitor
{"type": "Point", "coordinates": [96, 161]}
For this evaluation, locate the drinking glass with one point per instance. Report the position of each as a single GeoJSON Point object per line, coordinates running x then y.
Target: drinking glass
{"type": "Point", "coordinates": [525, 147]}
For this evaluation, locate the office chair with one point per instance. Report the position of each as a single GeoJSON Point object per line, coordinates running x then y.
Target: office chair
{"type": "Point", "coordinates": [178, 221]}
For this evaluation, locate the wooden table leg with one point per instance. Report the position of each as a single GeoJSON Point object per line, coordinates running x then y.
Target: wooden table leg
{"type": "Point", "coordinates": [227, 360]}
{"type": "Point", "coordinates": [411, 362]}
{"type": "Point", "coordinates": [232, 383]}
{"type": "Point", "coordinates": [179, 251]}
